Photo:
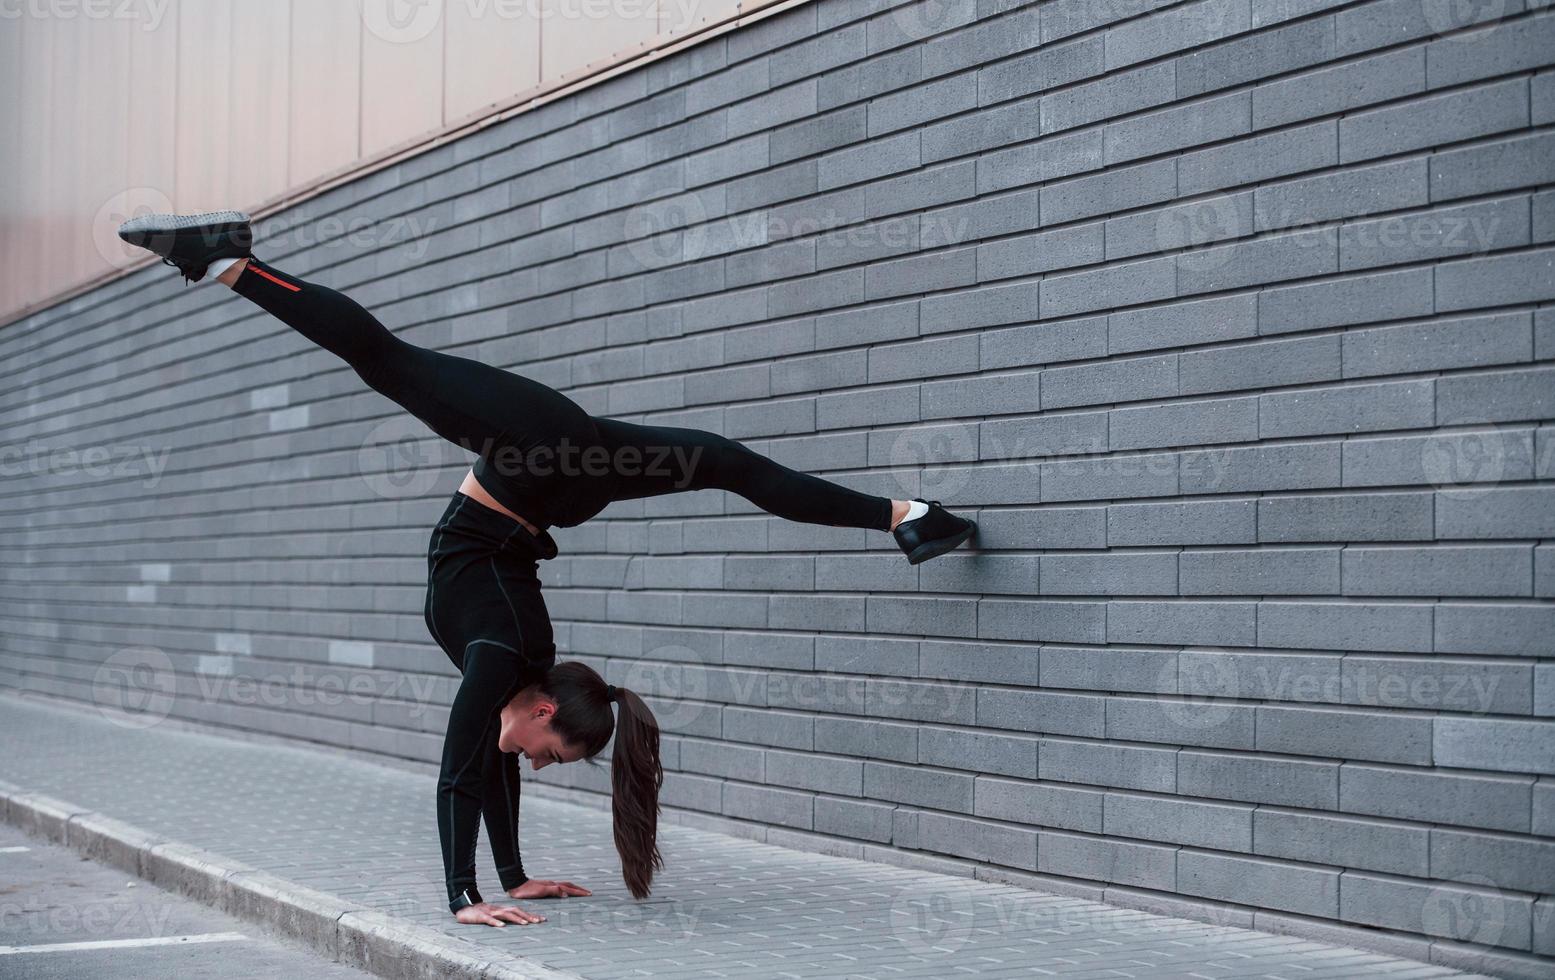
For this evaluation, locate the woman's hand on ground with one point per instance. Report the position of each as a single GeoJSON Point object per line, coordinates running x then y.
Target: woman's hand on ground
{"type": "Point", "coordinates": [545, 888]}
{"type": "Point", "coordinates": [485, 913]}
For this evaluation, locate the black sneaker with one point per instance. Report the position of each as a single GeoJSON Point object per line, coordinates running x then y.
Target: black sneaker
{"type": "Point", "coordinates": [933, 534]}
{"type": "Point", "coordinates": [189, 243]}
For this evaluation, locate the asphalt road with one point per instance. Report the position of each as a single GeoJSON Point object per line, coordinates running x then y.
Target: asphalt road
{"type": "Point", "coordinates": [62, 916]}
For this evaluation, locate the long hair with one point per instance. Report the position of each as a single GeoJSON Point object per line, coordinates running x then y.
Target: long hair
{"type": "Point", "coordinates": [583, 718]}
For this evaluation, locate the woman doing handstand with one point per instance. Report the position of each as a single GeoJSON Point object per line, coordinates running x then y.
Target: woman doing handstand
{"type": "Point", "coordinates": [542, 461]}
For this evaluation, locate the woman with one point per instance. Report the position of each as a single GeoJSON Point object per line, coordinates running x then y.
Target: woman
{"type": "Point", "coordinates": [542, 461]}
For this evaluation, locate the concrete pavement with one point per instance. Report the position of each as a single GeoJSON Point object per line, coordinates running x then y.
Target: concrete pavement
{"type": "Point", "coordinates": [342, 853]}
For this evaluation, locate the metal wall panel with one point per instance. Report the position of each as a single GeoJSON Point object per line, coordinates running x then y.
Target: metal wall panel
{"type": "Point", "coordinates": [124, 109]}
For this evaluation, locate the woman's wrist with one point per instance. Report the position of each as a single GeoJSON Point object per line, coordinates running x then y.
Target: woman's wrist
{"type": "Point", "coordinates": [469, 896]}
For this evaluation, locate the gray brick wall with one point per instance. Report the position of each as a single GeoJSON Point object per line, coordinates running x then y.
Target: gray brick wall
{"type": "Point", "coordinates": [1230, 320]}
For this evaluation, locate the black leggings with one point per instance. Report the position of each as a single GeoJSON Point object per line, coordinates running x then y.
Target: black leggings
{"type": "Point", "coordinates": [540, 453]}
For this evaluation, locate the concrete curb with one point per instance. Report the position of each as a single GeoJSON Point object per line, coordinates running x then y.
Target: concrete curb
{"type": "Point", "coordinates": [341, 930]}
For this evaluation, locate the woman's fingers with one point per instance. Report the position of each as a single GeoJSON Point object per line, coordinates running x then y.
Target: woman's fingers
{"type": "Point", "coordinates": [570, 889]}
{"type": "Point", "coordinates": [515, 914]}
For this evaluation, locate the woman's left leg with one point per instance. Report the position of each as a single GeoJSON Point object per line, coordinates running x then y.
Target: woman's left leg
{"type": "Point", "coordinates": [650, 460]}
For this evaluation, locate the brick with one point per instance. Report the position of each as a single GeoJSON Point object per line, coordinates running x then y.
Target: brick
{"type": "Point", "coordinates": [1039, 69]}
{"type": "Point", "coordinates": [1256, 779]}
{"type": "Point", "coordinates": [1473, 229]}
{"type": "Point", "coordinates": [1176, 29]}
{"type": "Point", "coordinates": [919, 786]}
{"type": "Point", "coordinates": [986, 306]}
{"type": "Point", "coordinates": [1281, 571]}
{"type": "Point", "coordinates": [1182, 522]}
{"type": "Point", "coordinates": [1348, 85]}
{"type": "Point", "coordinates": [1172, 721]}
{"type": "Point", "coordinates": [1291, 466]}
{"type": "Point", "coordinates": [1499, 396]}
{"type": "Point", "coordinates": [1109, 381]}
{"type": "Point", "coordinates": [1254, 881]}
{"type": "Point", "coordinates": [980, 752]}
{"type": "Point", "coordinates": [824, 774]}
{"type": "Point", "coordinates": [1346, 409]}
{"type": "Point", "coordinates": [1179, 127]}
{"type": "Point", "coordinates": [1347, 517]}
{"type": "Point", "coordinates": [1222, 826]}
{"type": "Point", "coordinates": [1494, 744]}
{"type": "Point", "coordinates": [783, 807]}
{"type": "Point", "coordinates": [1484, 168]}
{"type": "Point", "coordinates": [1105, 764]}
{"type": "Point", "coordinates": [1510, 630]}
{"type": "Point", "coordinates": [1230, 623]}
{"type": "Point", "coordinates": [1481, 570]}
{"type": "Point", "coordinates": [1191, 225]}
{"type": "Point", "coordinates": [1342, 302]}
{"type": "Point", "coordinates": [1348, 193]}
{"type": "Point", "coordinates": [1496, 512]}
{"type": "Point", "coordinates": [1446, 460]}
{"type": "Point", "coordinates": [869, 738]}
{"type": "Point", "coordinates": [1512, 862]}
{"type": "Point", "coordinates": [1257, 262]}
{"type": "Point", "coordinates": [1249, 59]}
{"type": "Point", "coordinates": [1040, 711]}
{"type": "Point", "coordinates": [1434, 796]}
{"type": "Point", "coordinates": [1345, 733]}
{"type": "Point", "coordinates": [1344, 841]}
{"type": "Point", "coordinates": [1184, 423]}
{"type": "Point", "coordinates": [1110, 191]}
{"type": "Point", "coordinates": [1183, 324]}
{"type": "Point", "coordinates": [1271, 363]}
{"type": "Point", "coordinates": [1043, 343]}
{"type": "Point", "coordinates": [921, 104]}
{"type": "Point", "coordinates": [1046, 527]}
{"type": "Point", "coordinates": [1259, 158]}
{"type": "Point", "coordinates": [1500, 49]}
{"type": "Point", "coordinates": [1442, 344]}
{"type": "Point", "coordinates": [1110, 96]}
{"type": "Point", "coordinates": [1043, 252]}
{"type": "Point", "coordinates": [1133, 573]}
{"type": "Point", "coordinates": [1496, 280]}
{"type": "Point", "coordinates": [857, 819]}
{"type": "Point", "coordinates": [1112, 669]}
{"type": "Point", "coordinates": [1095, 858]}
{"type": "Point", "coordinates": [1051, 158]}
{"type": "Point", "coordinates": [1395, 903]}
{"type": "Point", "coordinates": [1402, 627]}
{"type": "Point", "coordinates": [1064, 807]}
{"type": "Point", "coordinates": [978, 840]}
{"type": "Point", "coordinates": [1449, 118]}
{"type": "Point", "coordinates": [1113, 477]}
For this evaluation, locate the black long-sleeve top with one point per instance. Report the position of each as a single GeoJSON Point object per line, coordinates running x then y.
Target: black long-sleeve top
{"type": "Point", "coordinates": [483, 607]}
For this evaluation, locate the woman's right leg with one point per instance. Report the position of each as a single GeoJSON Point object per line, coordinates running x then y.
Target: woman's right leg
{"type": "Point", "coordinates": [471, 404]}
{"type": "Point", "coordinates": [659, 459]}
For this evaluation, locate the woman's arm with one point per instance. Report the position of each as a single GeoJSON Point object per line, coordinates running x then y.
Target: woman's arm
{"type": "Point", "coordinates": [493, 673]}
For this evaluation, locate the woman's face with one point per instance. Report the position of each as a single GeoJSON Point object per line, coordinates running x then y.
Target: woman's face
{"type": "Point", "coordinates": [526, 730]}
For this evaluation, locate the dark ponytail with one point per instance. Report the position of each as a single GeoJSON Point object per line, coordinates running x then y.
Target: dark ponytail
{"type": "Point", "coordinates": [583, 717]}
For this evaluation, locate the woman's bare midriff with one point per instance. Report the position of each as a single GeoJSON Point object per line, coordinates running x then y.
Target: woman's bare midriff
{"type": "Point", "coordinates": [472, 488]}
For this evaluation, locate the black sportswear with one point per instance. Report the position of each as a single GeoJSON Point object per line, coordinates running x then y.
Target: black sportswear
{"type": "Point", "coordinates": [545, 458]}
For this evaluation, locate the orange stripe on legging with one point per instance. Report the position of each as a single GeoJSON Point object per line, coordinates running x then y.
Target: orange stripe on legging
{"type": "Point", "coordinates": [278, 282]}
